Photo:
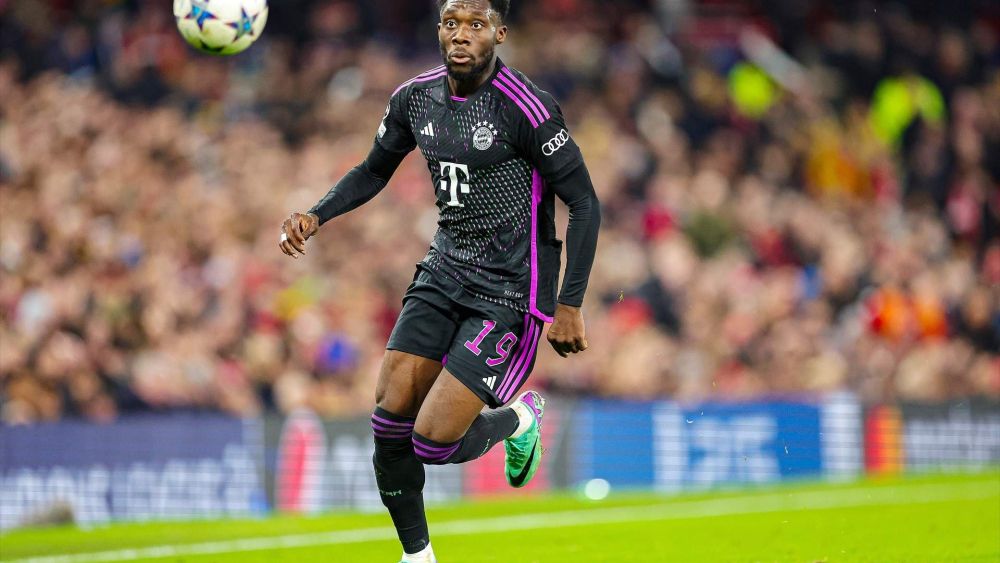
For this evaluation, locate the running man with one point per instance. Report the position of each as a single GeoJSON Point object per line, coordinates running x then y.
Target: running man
{"type": "Point", "coordinates": [498, 151]}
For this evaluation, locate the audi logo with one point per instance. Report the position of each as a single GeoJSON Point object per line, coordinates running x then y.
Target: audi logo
{"type": "Point", "coordinates": [555, 143]}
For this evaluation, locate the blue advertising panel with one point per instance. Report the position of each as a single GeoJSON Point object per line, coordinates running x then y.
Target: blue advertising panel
{"type": "Point", "coordinates": [613, 440]}
{"type": "Point", "coordinates": [718, 443]}
{"type": "Point", "coordinates": [137, 468]}
{"type": "Point", "coordinates": [672, 447]}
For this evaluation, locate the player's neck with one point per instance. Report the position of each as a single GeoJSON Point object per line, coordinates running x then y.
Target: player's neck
{"type": "Point", "coordinates": [463, 88]}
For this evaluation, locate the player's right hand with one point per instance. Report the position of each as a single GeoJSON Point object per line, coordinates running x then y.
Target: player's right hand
{"type": "Point", "coordinates": [295, 231]}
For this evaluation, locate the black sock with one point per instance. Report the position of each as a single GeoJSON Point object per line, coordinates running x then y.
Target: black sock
{"type": "Point", "coordinates": [487, 430]}
{"type": "Point", "coordinates": [400, 478]}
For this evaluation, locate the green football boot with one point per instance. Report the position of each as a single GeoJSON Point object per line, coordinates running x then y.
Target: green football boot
{"type": "Point", "coordinates": [524, 453]}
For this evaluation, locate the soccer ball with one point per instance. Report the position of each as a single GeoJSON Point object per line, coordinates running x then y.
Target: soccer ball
{"type": "Point", "coordinates": [220, 27]}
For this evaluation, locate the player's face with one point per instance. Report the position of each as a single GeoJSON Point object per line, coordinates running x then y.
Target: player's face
{"type": "Point", "coordinates": [469, 30]}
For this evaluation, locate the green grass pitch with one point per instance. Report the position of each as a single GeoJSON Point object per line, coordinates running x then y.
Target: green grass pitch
{"type": "Point", "coordinates": [925, 519]}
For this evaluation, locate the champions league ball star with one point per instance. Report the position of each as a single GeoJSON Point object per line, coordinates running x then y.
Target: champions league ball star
{"type": "Point", "coordinates": [220, 27]}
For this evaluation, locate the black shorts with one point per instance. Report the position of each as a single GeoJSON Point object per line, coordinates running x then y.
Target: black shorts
{"type": "Point", "coordinates": [489, 347]}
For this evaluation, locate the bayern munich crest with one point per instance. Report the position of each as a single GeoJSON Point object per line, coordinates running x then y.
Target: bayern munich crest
{"type": "Point", "coordinates": [483, 134]}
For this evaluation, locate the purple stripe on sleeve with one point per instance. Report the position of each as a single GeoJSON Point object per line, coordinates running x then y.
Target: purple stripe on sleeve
{"type": "Point", "coordinates": [510, 85]}
{"type": "Point", "coordinates": [421, 78]}
{"type": "Point", "coordinates": [530, 336]}
{"type": "Point", "coordinates": [530, 95]}
{"type": "Point", "coordinates": [421, 75]}
{"type": "Point", "coordinates": [434, 70]}
{"type": "Point", "coordinates": [520, 104]}
{"type": "Point", "coordinates": [458, 99]}
{"type": "Point", "coordinates": [378, 418]}
{"type": "Point", "coordinates": [524, 371]}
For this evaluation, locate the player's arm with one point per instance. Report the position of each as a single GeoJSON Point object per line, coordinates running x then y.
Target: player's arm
{"type": "Point", "coordinates": [546, 139]}
{"type": "Point", "coordinates": [567, 333]}
{"type": "Point", "coordinates": [576, 190]}
{"type": "Point", "coordinates": [394, 141]}
{"type": "Point", "coordinates": [356, 188]}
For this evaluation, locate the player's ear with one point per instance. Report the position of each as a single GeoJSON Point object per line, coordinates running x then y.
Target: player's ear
{"type": "Point", "coordinates": [501, 34]}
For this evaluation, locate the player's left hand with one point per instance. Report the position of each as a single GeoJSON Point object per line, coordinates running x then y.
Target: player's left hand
{"type": "Point", "coordinates": [567, 335]}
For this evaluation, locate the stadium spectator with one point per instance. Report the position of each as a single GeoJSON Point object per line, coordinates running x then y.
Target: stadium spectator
{"type": "Point", "coordinates": [826, 242]}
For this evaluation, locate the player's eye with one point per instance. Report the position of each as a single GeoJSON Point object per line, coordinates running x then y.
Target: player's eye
{"type": "Point", "coordinates": [477, 25]}
{"type": "Point", "coordinates": [450, 23]}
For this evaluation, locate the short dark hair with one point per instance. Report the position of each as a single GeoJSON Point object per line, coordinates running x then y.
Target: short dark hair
{"type": "Point", "coordinates": [501, 7]}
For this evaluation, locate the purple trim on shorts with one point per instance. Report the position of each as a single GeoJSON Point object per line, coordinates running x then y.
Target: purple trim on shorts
{"type": "Point", "coordinates": [517, 353]}
{"type": "Point", "coordinates": [531, 333]}
{"type": "Point", "coordinates": [523, 361]}
{"type": "Point", "coordinates": [423, 77]}
{"type": "Point", "coordinates": [520, 104]}
{"type": "Point", "coordinates": [524, 371]}
{"type": "Point", "coordinates": [392, 423]}
{"type": "Point", "coordinates": [529, 95]}
{"type": "Point", "coordinates": [536, 198]}
{"type": "Point", "coordinates": [444, 360]}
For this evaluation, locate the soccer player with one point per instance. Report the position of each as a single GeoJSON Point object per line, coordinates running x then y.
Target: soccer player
{"type": "Point", "coordinates": [498, 152]}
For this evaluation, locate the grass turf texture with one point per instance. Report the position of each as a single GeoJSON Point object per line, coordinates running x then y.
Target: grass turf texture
{"type": "Point", "coordinates": [933, 518]}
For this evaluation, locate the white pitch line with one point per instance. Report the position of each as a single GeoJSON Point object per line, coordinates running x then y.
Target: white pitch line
{"type": "Point", "coordinates": [676, 510]}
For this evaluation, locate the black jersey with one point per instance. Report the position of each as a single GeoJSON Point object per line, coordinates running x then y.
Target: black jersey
{"type": "Point", "coordinates": [489, 157]}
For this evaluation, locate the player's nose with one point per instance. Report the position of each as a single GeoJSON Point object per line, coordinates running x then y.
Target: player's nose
{"type": "Point", "coordinates": [462, 36]}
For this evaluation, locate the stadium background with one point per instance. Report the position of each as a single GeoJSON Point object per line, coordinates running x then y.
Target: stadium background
{"type": "Point", "coordinates": [797, 275]}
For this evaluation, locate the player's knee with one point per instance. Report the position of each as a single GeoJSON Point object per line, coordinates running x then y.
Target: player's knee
{"type": "Point", "coordinates": [430, 452]}
{"type": "Point", "coordinates": [395, 392]}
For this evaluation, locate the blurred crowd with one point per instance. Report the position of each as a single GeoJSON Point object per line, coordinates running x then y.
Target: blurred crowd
{"type": "Point", "coordinates": [811, 207]}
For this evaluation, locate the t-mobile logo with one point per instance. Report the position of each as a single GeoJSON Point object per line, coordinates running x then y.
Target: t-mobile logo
{"type": "Point", "coordinates": [451, 181]}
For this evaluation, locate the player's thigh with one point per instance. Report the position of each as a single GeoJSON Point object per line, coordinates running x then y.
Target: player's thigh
{"type": "Point", "coordinates": [448, 410]}
{"type": "Point", "coordinates": [404, 381]}
{"type": "Point", "coordinates": [488, 362]}
{"type": "Point", "coordinates": [420, 339]}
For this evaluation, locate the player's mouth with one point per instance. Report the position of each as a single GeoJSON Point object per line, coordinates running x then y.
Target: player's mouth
{"type": "Point", "coordinates": [460, 58]}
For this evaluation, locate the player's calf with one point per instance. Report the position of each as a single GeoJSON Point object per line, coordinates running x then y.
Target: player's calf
{"type": "Point", "coordinates": [400, 478]}
{"type": "Point", "coordinates": [487, 430]}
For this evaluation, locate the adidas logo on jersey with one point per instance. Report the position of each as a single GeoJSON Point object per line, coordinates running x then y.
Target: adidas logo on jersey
{"type": "Point", "coordinates": [490, 381]}
{"type": "Point", "coordinates": [428, 130]}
